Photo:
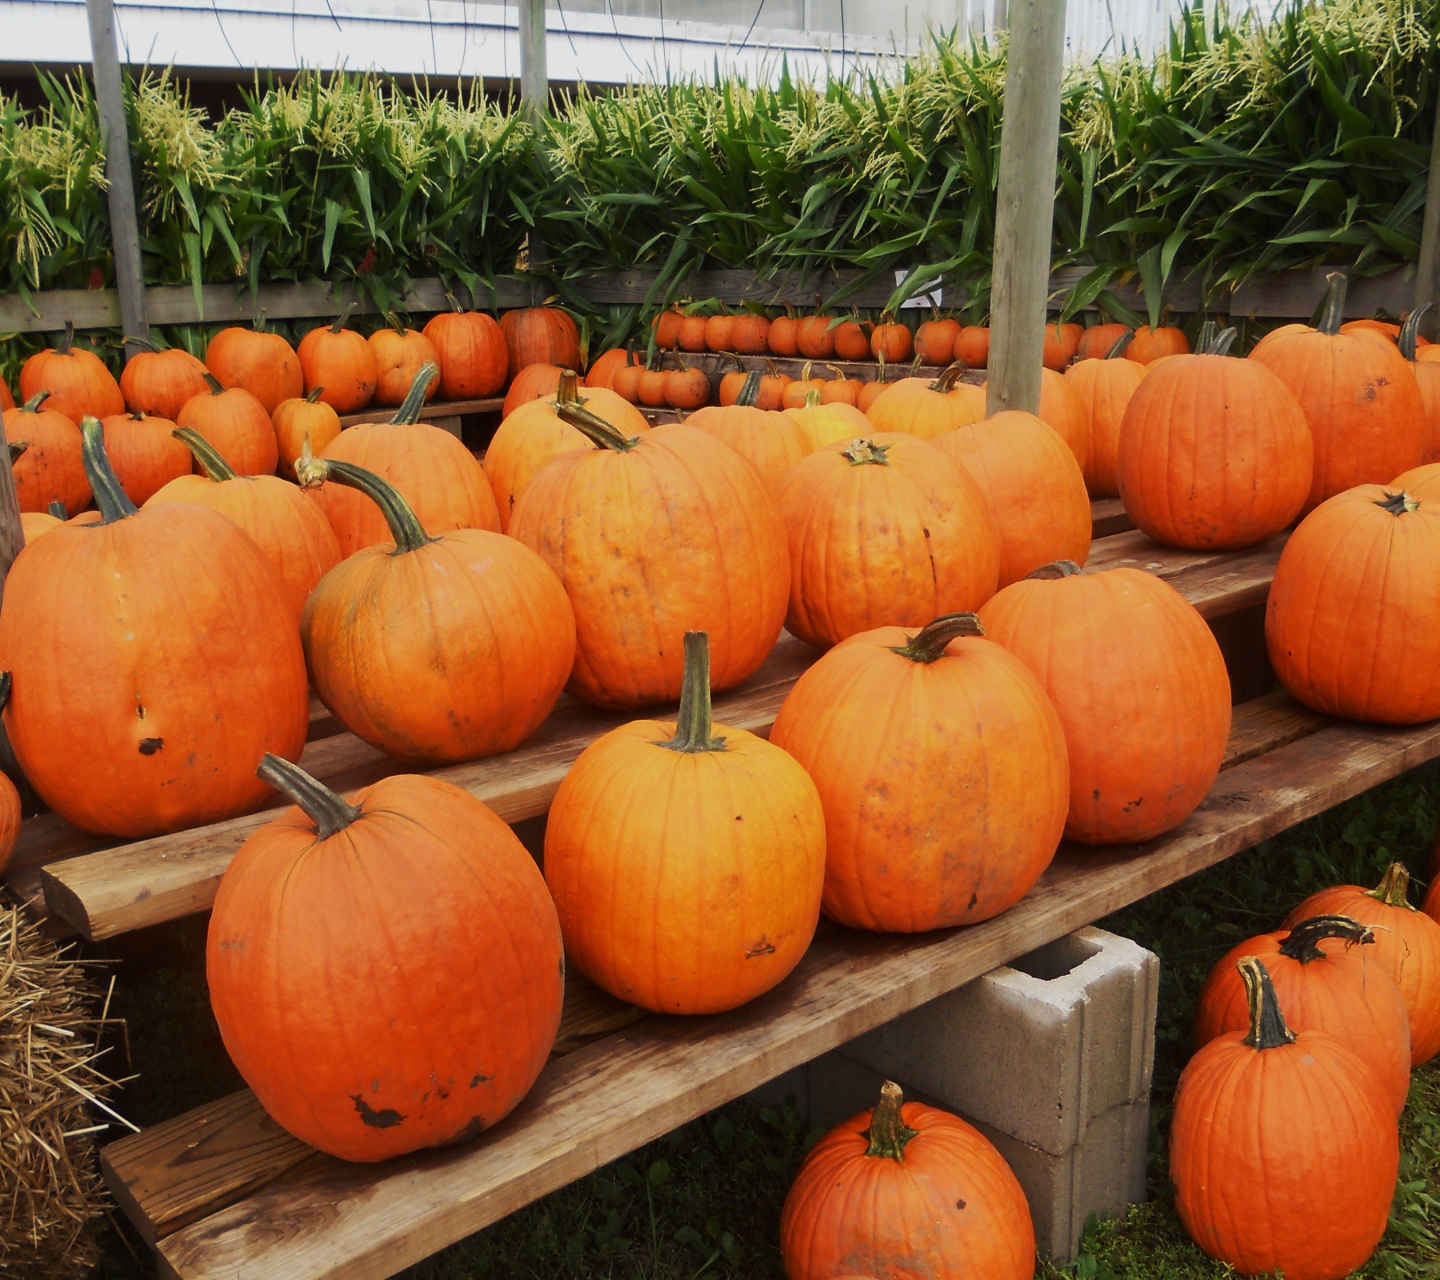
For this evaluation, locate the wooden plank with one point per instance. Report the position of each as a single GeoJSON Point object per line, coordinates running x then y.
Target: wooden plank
{"type": "Point", "coordinates": [366, 1222]}
{"type": "Point", "coordinates": [534, 73]}
{"type": "Point", "coordinates": [436, 411]}
{"type": "Point", "coordinates": [800, 289]}
{"type": "Point", "coordinates": [1266, 723]}
{"type": "Point", "coordinates": [1107, 516]}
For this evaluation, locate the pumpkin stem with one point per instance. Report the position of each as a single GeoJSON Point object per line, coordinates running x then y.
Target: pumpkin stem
{"type": "Point", "coordinates": [345, 315]}
{"type": "Point", "coordinates": [330, 813]}
{"type": "Point", "coordinates": [880, 367]}
{"type": "Point", "coordinates": [930, 642]}
{"type": "Point", "coordinates": [1301, 942]}
{"type": "Point", "coordinates": [1397, 504]}
{"type": "Point", "coordinates": [866, 452]}
{"type": "Point", "coordinates": [889, 1135]}
{"type": "Point", "coordinates": [213, 383]}
{"type": "Point", "coordinates": [1410, 331]}
{"type": "Point", "coordinates": [593, 427]}
{"type": "Point", "coordinates": [812, 399]}
{"type": "Point", "coordinates": [1216, 341]}
{"type": "Point", "coordinates": [258, 324]}
{"type": "Point", "coordinates": [1332, 314]}
{"type": "Point", "coordinates": [454, 304]}
{"type": "Point", "coordinates": [1208, 330]}
{"type": "Point", "coordinates": [17, 450]}
{"type": "Point", "coordinates": [949, 376]}
{"type": "Point", "coordinates": [693, 726]}
{"type": "Point", "coordinates": [1267, 1022]}
{"type": "Point", "coordinates": [67, 339]}
{"type": "Point", "coordinates": [211, 463]}
{"type": "Point", "coordinates": [408, 414]}
{"type": "Point", "coordinates": [405, 527]}
{"type": "Point", "coordinates": [1118, 349]}
{"type": "Point", "coordinates": [6, 680]}
{"type": "Point", "coordinates": [1394, 887]}
{"type": "Point", "coordinates": [57, 509]}
{"type": "Point", "coordinates": [112, 500]}
{"type": "Point", "coordinates": [568, 392]}
{"type": "Point", "coordinates": [33, 404]}
{"type": "Point", "coordinates": [312, 396]}
{"type": "Point", "coordinates": [1055, 569]}
{"type": "Point", "coordinates": [143, 344]}
{"type": "Point", "coordinates": [749, 389]}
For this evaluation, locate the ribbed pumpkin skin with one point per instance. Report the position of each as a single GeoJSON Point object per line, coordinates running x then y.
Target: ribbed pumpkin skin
{"type": "Point", "coordinates": [534, 382]}
{"type": "Point", "coordinates": [904, 1221]}
{"type": "Point", "coordinates": [343, 363]}
{"type": "Point", "coordinates": [1285, 1158]}
{"type": "Point", "coordinates": [773, 441]}
{"type": "Point", "coordinates": [1033, 486]}
{"type": "Point", "coordinates": [437, 475]}
{"type": "Point", "coordinates": [264, 364]}
{"type": "Point", "coordinates": [50, 470]}
{"type": "Point", "coordinates": [474, 361]}
{"type": "Point", "coordinates": [159, 382]}
{"type": "Point", "coordinates": [873, 544]}
{"type": "Point", "coordinates": [911, 406]}
{"type": "Point", "coordinates": [77, 380]}
{"type": "Point", "coordinates": [1360, 398]}
{"type": "Point", "coordinates": [935, 341]}
{"type": "Point", "coordinates": [399, 356]}
{"type": "Point", "coordinates": [685, 882]}
{"type": "Point", "coordinates": [679, 528]}
{"type": "Point", "coordinates": [827, 423]}
{"type": "Point", "coordinates": [409, 966]}
{"type": "Point", "coordinates": [604, 368]}
{"type": "Point", "coordinates": [450, 652]}
{"type": "Point", "coordinates": [156, 613]}
{"type": "Point", "coordinates": [9, 820]}
{"type": "Point", "coordinates": [1150, 345]}
{"type": "Point", "coordinates": [944, 783]}
{"type": "Point", "coordinates": [1102, 390]}
{"type": "Point", "coordinates": [1215, 454]}
{"type": "Point", "coordinates": [297, 420]}
{"type": "Point", "coordinates": [1096, 341]}
{"type": "Point", "coordinates": [237, 426]}
{"type": "Point", "coordinates": [1140, 685]}
{"type": "Point", "coordinates": [1062, 341]}
{"type": "Point", "coordinates": [1060, 406]}
{"type": "Point", "coordinates": [1350, 623]}
{"type": "Point", "coordinates": [1343, 994]}
{"type": "Point", "coordinates": [144, 453]}
{"type": "Point", "coordinates": [545, 335]}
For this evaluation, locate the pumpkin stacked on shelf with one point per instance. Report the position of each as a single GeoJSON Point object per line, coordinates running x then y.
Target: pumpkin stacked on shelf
{"type": "Point", "coordinates": [235, 424]}
{"type": "Point", "coordinates": [76, 380]}
{"type": "Point", "coordinates": [927, 407]}
{"type": "Point", "coordinates": [773, 441]}
{"type": "Point", "coordinates": [261, 363]}
{"type": "Point", "coordinates": [1103, 390]}
{"type": "Point", "coordinates": [340, 368]}
{"type": "Point", "coordinates": [159, 382]}
{"type": "Point", "coordinates": [45, 452]}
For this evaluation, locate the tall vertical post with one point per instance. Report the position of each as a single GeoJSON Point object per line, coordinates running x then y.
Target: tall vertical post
{"type": "Point", "coordinates": [1427, 274]}
{"type": "Point", "coordinates": [534, 75]}
{"type": "Point", "coordinates": [124, 223]}
{"type": "Point", "coordinates": [1025, 204]}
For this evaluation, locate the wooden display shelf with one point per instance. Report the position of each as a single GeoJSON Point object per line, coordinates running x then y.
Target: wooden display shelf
{"type": "Point", "coordinates": [435, 410]}
{"type": "Point", "coordinates": [222, 1192]}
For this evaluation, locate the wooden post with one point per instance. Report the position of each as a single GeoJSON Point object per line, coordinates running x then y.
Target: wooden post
{"type": "Point", "coordinates": [534, 76]}
{"type": "Point", "coordinates": [124, 223]}
{"type": "Point", "coordinates": [1025, 204]}
{"type": "Point", "coordinates": [1427, 274]}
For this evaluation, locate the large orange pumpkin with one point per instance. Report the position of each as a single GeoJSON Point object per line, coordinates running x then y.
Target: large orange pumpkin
{"type": "Point", "coordinates": [1215, 453]}
{"type": "Point", "coordinates": [773, 441]}
{"type": "Point", "coordinates": [1427, 378]}
{"type": "Point", "coordinates": [303, 422]}
{"type": "Point", "coordinates": [1350, 622]}
{"type": "Point", "coordinates": [400, 354]}
{"type": "Point", "coordinates": [408, 917]}
{"type": "Point", "coordinates": [435, 649]}
{"type": "Point", "coordinates": [1359, 395]}
{"type": "Point", "coordinates": [237, 426]}
{"type": "Point", "coordinates": [1102, 390]}
{"type": "Point", "coordinates": [1283, 1147]}
{"type": "Point", "coordinates": [340, 368]}
{"type": "Point", "coordinates": [474, 360]}
{"type": "Point", "coordinates": [77, 380]}
{"type": "Point", "coordinates": [941, 767]}
{"type": "Point", "coordinates": [543, 335]}
{"type": "Point", "coordinates": [884, 530]}
{"type": "Point", "coordinates": [263, 363]}
{"type": "Point", "coordinates": [686, 860]}
{"type": "Point", "coordinates": [159, 382]}
{"type": "Point", "coordinates": [290, 529]}
{"type": "Point", "coordinates": [1151, 345]}
{"type": "Point", "coordinates": [1140, 685]}
{"type": "Point", "coordinates": [154, 661]}
{"type": "Point", "coordinates": [1033, 486]}
{"type": "Point", "coordinates": [679, 528]}
{"type": "Point", "coordinates": [145, 454]}
{"type": "Point", "coordinates": [534, 382]}
{"type": "Point", "coordinates": [906, 1190]}
{"type": "Point", "coordinates": [1060, 406]}
{"type": "Point", "coordinates": [928, 407]}
{"type": "Point", "coordinates": [49, 467]}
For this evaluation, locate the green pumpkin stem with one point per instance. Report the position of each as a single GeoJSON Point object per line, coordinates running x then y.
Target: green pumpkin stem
{"type": "Point", "coordinates": [889, 1135]}
{"type": "Point", "coordinates": [949, 376]}
{"type": "Point", "coordinates": [693, 725]}
{"type": "Point", "coordinates": [405, 527]}
{"type": "Point", "coordinates": [594, 428]}
{"type": "Point", "coordinates": [568, 392]}
{"type": "Point", "coordinates": [1118, 348]}
{"type": "Point", "coordinates": [408, 414]}
{"type": "Point", "coordinates": [1332, 314]}
{"type": "Point", "coordinates": [141, 344]}
{"type": "Point", "coordinates": [258, 324]}
{"type": "Point", "coordinates": [57, 509]}
{"type": "Point", "coordinates": [1055, 569]}
{"type": "Point", "coordinates": [930, 642]}
{"type": "Point", "coordinates": [862, 453]}
{"type": "Point", "coordinates": [33, 404]}
{"type": "Point", "coordinates": [213, 383]}
{"type": "Point", "coordinates": [1410, 331]}
{"type": "Point", "coordinates": [113, 501]}
{"type": "Point", "coordinates": [1301, 943]}
{"type": "Point", "coordinates": [1215, 341]}
{"type": "Point", "coordinates": [1394, 887]}
{"type": "Point", "coordinates": [1397, 504]}
{"type": "Point", "coordinates": [67, 339]}
{"type": "Point", "coordinates": [314, 394]}
{"type": "Point", "coordinates": [812, 399]}
{"type": "Point", "coordinates": [1208, 330]}
{"type": "Point", "coordinates": [17, 450]}
{"type": "Point", "coordinates": [1267, 1022]}
{"type": "Point", "coordinates": [205, 453]}
{"type": "Point", "coordinates": [330, 813]}
{"type": "Point", "coordinates": [749, 389]}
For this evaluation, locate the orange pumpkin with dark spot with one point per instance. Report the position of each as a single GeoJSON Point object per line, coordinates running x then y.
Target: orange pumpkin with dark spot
{"type": "Point", "coordinates": [339, 366]}
{"type": "Point", "coordinates": [935, 341]}
{"type": "Point", "coordinates": [159, 382]}
{"type": "Point", "coordinates": [51, 468]}
{"type": "Point", "coordinates": [474, 360]}
{"type": "Point", "coordinates": [400, 354]}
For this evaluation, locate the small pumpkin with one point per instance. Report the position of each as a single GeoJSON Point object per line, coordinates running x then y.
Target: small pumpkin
{"type": "Point", "coordinates": [470, 349]}
{"type": "Point", "coordinates": [815, 337]}
{"type": "Point", "coordinates": [339, 367]}
{"type": "Point", "coordinates": [718, 330]}
{"type": "Point", "coordinates": [655, 818]}
{"type": "Point", "coordinates": [839, 389]}
{"type": "Point", "coordinates": [10, 817]}
{"type": "Point", "coordinates": [652, 386]}
{"type": "Point", "coordinates": [1427, 378]}
{"type": "Point", "coordinates": [400, 354]}
{"type": "Point", "coordinates": [828, 422]}
{"type": "Point", "coordinates": [972, 346]}
{"type": "Point", "coordinates": [1151, 345]}
{"type": "Point", "coordinates": [873, 390]}
{"type": "Point", "coordinates": [687, 387]}
{"type": "Point", "coordinates": [927, 407]}
{"type": "Point", "coordinates": [895, 340]}
{"type": "Point", "coordinates": [304, 420]}
{"type": "Point", "coordinates": [534, 382]}
{"type": "Point", "coordinates": [851, 341]}
{"type": "Point", "coordinates": [159, 382]}
{"type": "Point", "coordinates": [1062, 342]}
{"type": "Point", "coordinates": [771, 395]}
{"type": "Point", "coordinates": [783, 335]}
{"type": "Point", "coordinates": [749, 334]}
{"type": "Point", "coordinates": [1103, 389]}
{"type": "Point", "coordinates": [77, 380]}
{"type": "Point", "coordinates": [666, 328]}
{"type": "Point", "coordinates": [935, 340]}
{"type": "Point", "coordinates": [541, 335]}
{"type": "Point", "coordinates": [626, 383]}
{"type": "Point", "coordinates": [773, 441]}
{"type": "Point", "coordinates": [1098, 340]}
{"type": "Point", "coordinates": [262, 363]}
{"type": "Point", "coordinates": [690, 332]}
{"type": "Point", "coordinates": [144, 453]}
{"type": "Point", "coordinates": [797, 390]}
{"type": "Point", "coordinates": [237, 426]}
{"type": "Point", "coordinates": [602, 372]}
{"type": "Point", "coordinates": [49, 467]}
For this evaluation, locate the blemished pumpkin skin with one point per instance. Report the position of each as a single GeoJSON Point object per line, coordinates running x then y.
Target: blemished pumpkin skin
{"type": "Point", "coordinates": [534, 382]}
{"type": "Point", "coordinates": [474, 360]}
{"type": "Point", "coordinates": [287, 526]}
{"type": "Point", "coordinates": [410, 919]}
{"type": "Point", "coordinates": [749, 334]}
{"type": "Point", "coordinates": [1151, 345]}
{"type": "Point", "coordinates": [1062, 341]}
{"type": "Point", "coordinates": [1139, 765]}
{"type": "Point", "coordinates": [159, 382]}
{"type": "Point", "coordinates": [935, 341]}
{"type": "Point", "coordinates": [827, 423]}
{"type": "Point", "coordinates": [1358, 394]}
{"type": "Point", "coordinates": [541, 335]}
{"type": "Point", "coordinates": [400, 354]}
{"type": "Point", "coordinates": [9, 820]}
{"type": "Point", "coordinates": [927, 407]}
{"type": "Point", "coordinates": [435, 650]}
{"type": "Point", "coordinates": [50, 469]}
{"type": "Point", "coordinates": [1329, 988]}
{"type": "Point", "coordinates": [1102, 390]}
{"type": "Point", "coordinates": [340, 365]}
{"type": "Point", "coordinates": [1283, 1148]}
{"type": "Point", "coordinates": [1098, 340]}
{"type": "Point", "coordinates": [144, 453]}
{"type": "Point", "coordinates": [1350, 621]}
{"type": "Point", "coordinates": [852, 342]}
{"type": "Point", "coordinates": [884, 529]}
{"type": "Point", "coordinates": [773, 441]}
{"type": "Point", "coordinates": [1427, 378]}
{"type": "Point", "coordinates": [670, 522]}
{"type": "Point", "coordinates": [77, 380]}
{"type": "Point", "coordinates": [135, 628]}
{"type": "Point", "coordinates": [262, 363]}
{"type": "Point", "coordinates": [534, 434]}
{"type": "Point", "coordinates": [687, 388]}
{"type": "Point", "coordinates": [437, 475]}
{"type": "Point", "coordinates": [686, 859]}
{"type": "Point", "coordinates": [972, 346]}
{"type": "Point", "coordinates": [815, 338]}
{"type": "Point", "coordinates": [1033, 486]}
{"type": "Point", "coordinates": [1215, 453]}
{"type": "Point", "coordinates": [910, 1192]}
{"type": "Point", "coordinates": [236, 425]}
{"type": "Point", "coordinates": [602, 372]}
{"type": "Point", "coordinates": [304, 421]}
{"type": "Point", "coordinates": [895, 340]}
{"type": "Point", "coordinates": [690, 332]}
{"type": "Point", "coordinates": [1407, 947]}
{"type": "Point", "coordinates": [626, 383]}
{"type": "Point", "coordinates": [941, 767]}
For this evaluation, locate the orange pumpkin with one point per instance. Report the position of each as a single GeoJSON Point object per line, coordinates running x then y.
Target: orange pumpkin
{"type": "Point", "coordinates": [400, 354]}
{"type": "Point", "coordinates": [687, 387]}
{"type": "Point", "coordinates": [444, 965]}
{"type": "Point", "coordinates": [839, 389]}
{"type": "Point", "coordinates": [651, 387]}
{"type": "Point", "coordinates": [77, 380]}
{"type": "Point", "coordinates": [435, 650]}
{"type": "Point", "coordinates": [815, 338]}
{"type": "Point", "coordinates": [606, 366]}
{"type": "Point", "coordinates": [851, 341]}
{"type": "Point", "coordinates": [638, 836]}
{"type": "Point", "coordinates": [941, 768]}
{"type": "Point", "coordinates": [718, 329]}
{"type": "Point", "coordinates": [48, 466]}
{"type": "Point", "coordinates": [666, 329]}
{"type": "Point", "coordinates": [749, 334]}
{"type": "Point", "coordinates": [1102, 390]}
{"type": "Point", "coordinates": [798, 389]}
{"type": "Point", "coordinates": [690, 332]}
{"type": "Point", "coordinates": [872, 391]}
{"type": "Point", "coordinates": [906, 1190]}
{"type": "Point", "coordinates": [1349, 623]}
{"type": "Point", "coordinates": [1099, 340]}
{"type": "Point", "coordinates": [773, 441]}
{"type": "Point", "coordinates": [1093, 641]}
{"type": "Point", "coordinates": [927, 407]}
{"type": "Point", "coordinates": [474, 360]}
{"type": "Point", "coordinates": [972, 346]}
{"type": "Point", "coordinates": [159, 382]}
{"type": "Point", "coordinates": [9, 820]}
{"type": "Point", "coordinates": [771, 395]}
{"type": "Point", "coordinates": [1060, 406]}
{"type": "Point", "coordinates": [237, 426]}
{"type": "Point", "coordinates": [783, 338]}
{"type": "Point", "coordinates": [534, 382]}
{"type": "Point", "coordinates": [144, 453]}
{"type": "Point", "coordinates": [301, 422]}
{"type": "Point", "coordinates": [1062, 343]}
{"type": "Point", "coordinates": [1151, 345]}
{"type": "Point", "coordinates": [1383, 327]}
{"type": "Point", "coordinates": [262, 363]}
{"type": "Point", "coordinates": [626, 383]}
{"type": "Point", "coordinates": [135, 628]}
{"type": "Point", "coordinates": [895, 340]}
{"type": "Point", "coordinates": [1427, 378]}
{"type": "Point", "coordinates": [7, 401]}
{"type": "Point", "coordinates": [827, 423]}
{"type": "Point", "coordinates": [339, 366]}
{"type": "Point", "coordinates": [670, 522]}
{"type": "Point", "coordinates": [34, 524]}
{"type": "Point", "coordinates": [935, 341]}
{"type": "Point", "coordinates": [541, 335]}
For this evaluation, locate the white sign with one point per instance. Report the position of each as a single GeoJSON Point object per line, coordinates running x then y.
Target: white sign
{"type": "Point", "coordinates": [921, 301]}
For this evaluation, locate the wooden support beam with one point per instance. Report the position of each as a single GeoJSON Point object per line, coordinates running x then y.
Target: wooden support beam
{"type": "Point", "coordinates": [1427, 274]}
{"type": "Point", "coordinates": [120, 189]}
{"type": "Point", "coordinates": [534, 73]}
{"type": "Point", "coordinates": [1025, 203]}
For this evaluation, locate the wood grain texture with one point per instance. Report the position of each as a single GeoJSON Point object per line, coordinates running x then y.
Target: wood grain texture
{"type": "Point", "coordinates": [429, 413]}
{"type": "Point", "coordinates": [359, 1222]}
{"type": "Point", "coordinates": [1107, 517]}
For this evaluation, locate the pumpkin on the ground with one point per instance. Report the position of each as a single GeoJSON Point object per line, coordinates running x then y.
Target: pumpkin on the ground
{"type": "Point", "coordinates": [77, 380]}
{"type": "Point", "coordinates": [773, 441]}
{"type": "Point", "coordinates": [655, 820]}
{"type": "Point", "coordinates": [339, 366]}
{"type": "Point", "coordinates": [409, 917]}
{"type": "Point", "coordinates": [262, 363]}
{"type": "Point", "coordinates": [400, 354]}
{"type": "Point", "coordinates": [305, 422]}
{"type": "Point", "coordinates": [144, 453]}
{"type": "Point", "coordinates": [236, 425]}
{"type": "Point", "coordinates": [1103, 389]}
{"type": "Point", "coordinates": [159, 382]}
{"type": "Point", "coordinates": [546, 335]}
{"type": "Point", "coordinates": [470, 347]}
{"type": "Point", "coordinates": [50, 468]}
{"type": "Point", "coordinates": [927, 407]}
{"type": "Point", "coordinates": [1060, 406]}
